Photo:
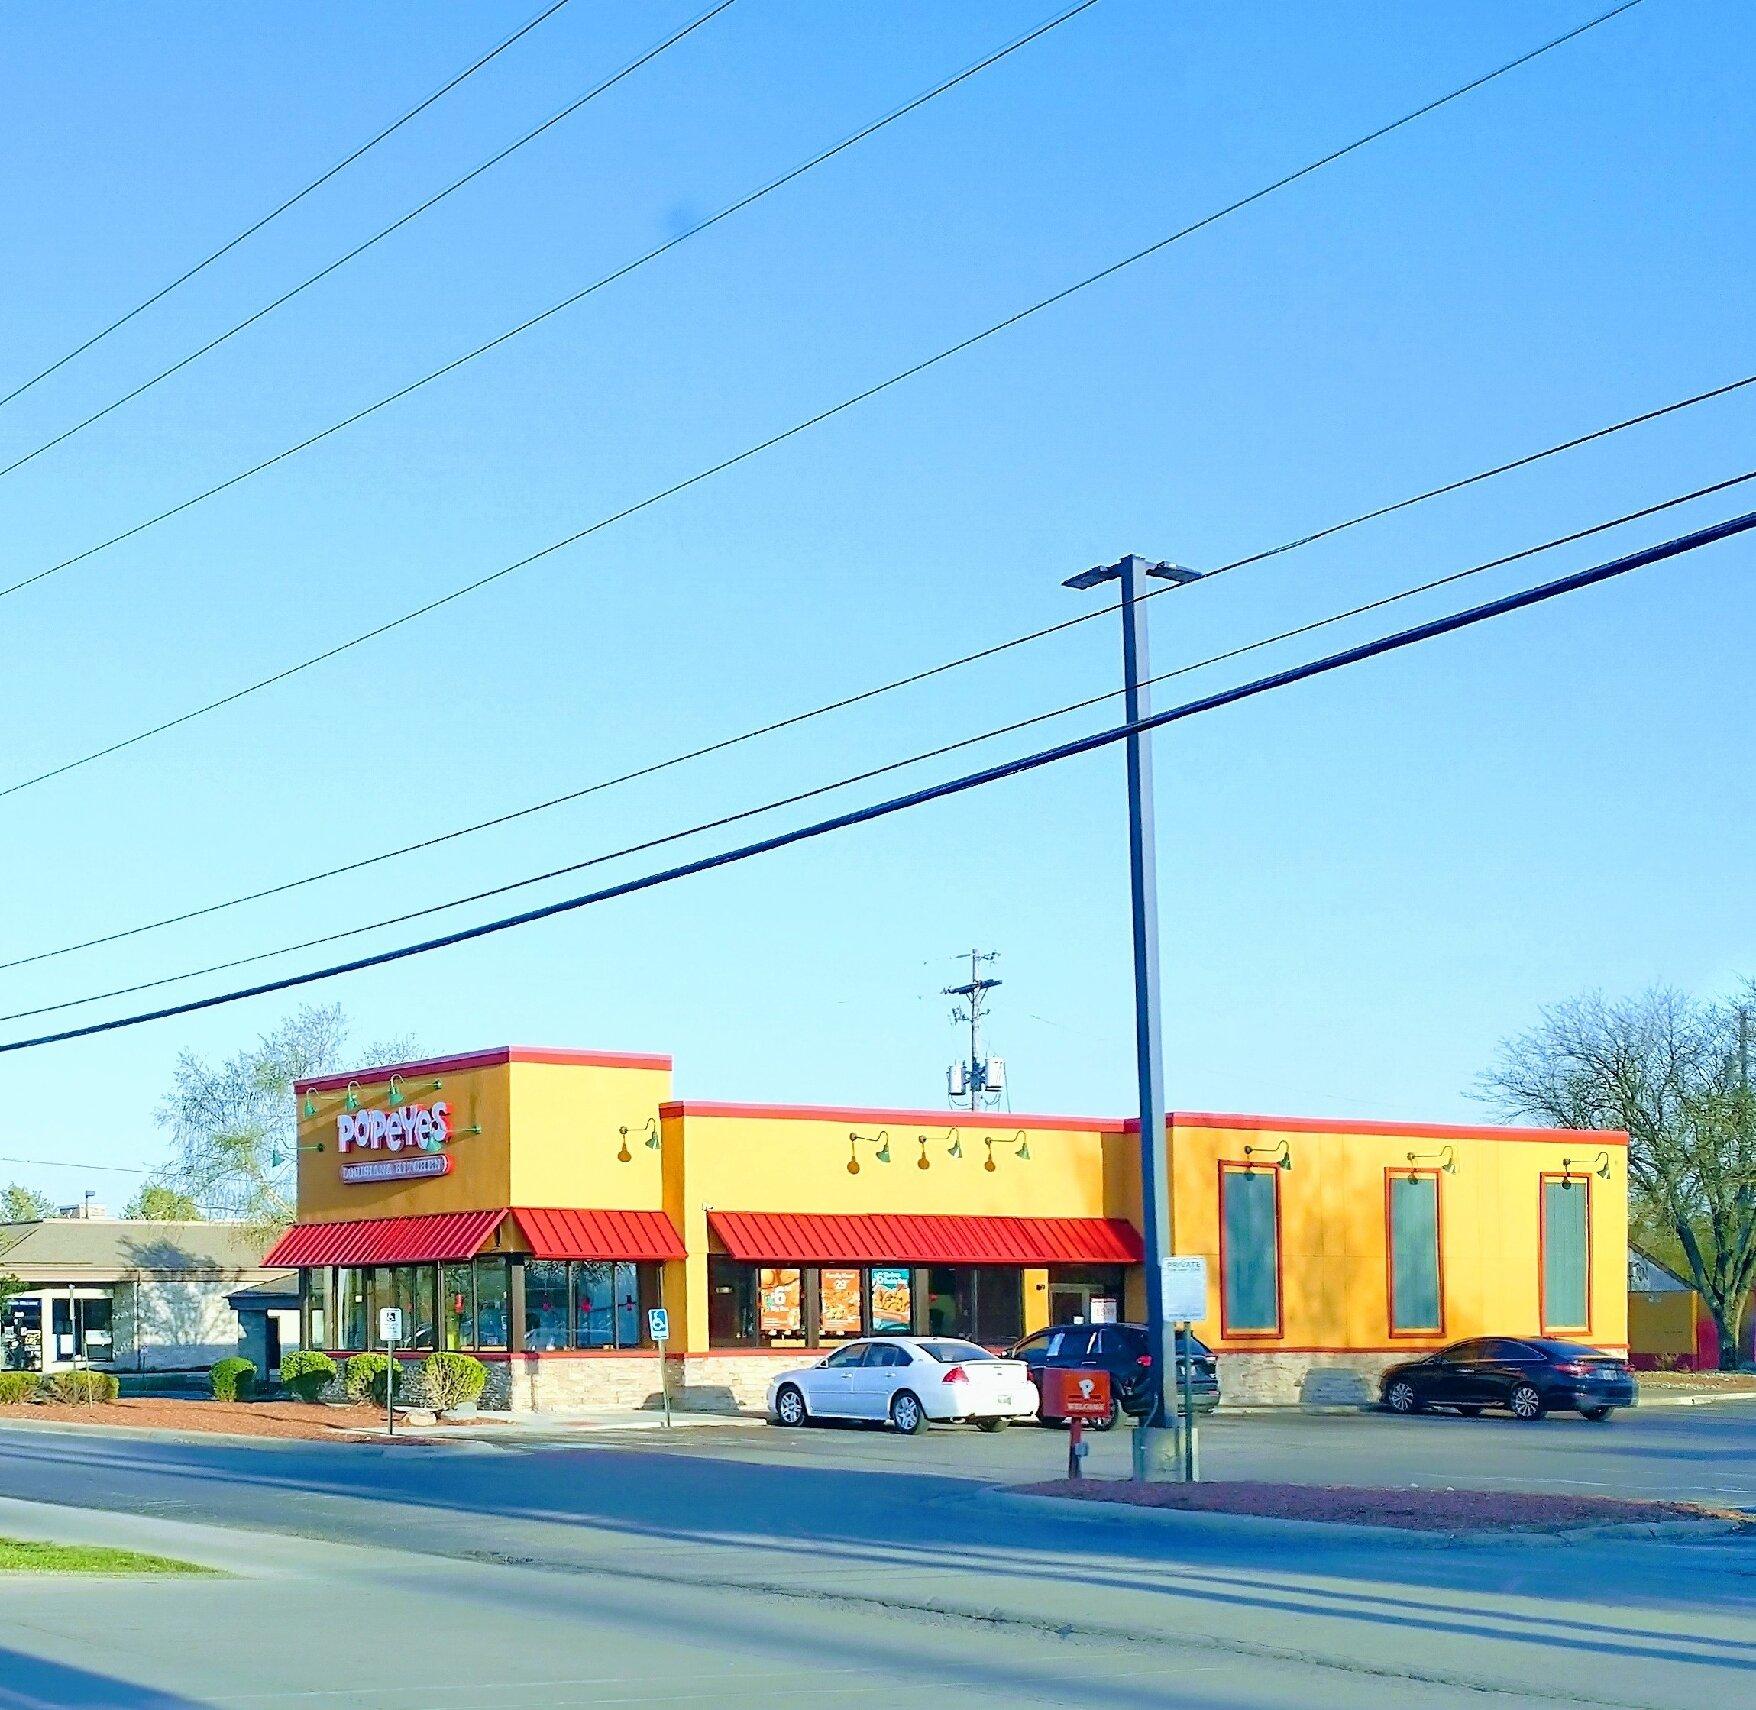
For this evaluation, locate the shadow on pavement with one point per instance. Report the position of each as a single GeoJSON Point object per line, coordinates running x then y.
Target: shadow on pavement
{"type": "Point", "coordinates": [30, 1683]}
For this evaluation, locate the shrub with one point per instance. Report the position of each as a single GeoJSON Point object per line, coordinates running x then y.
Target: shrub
{"type": "Point", "coordinates": [451, 1380]}
{"type": "Point", "coordinates": [363, 1378]}
{"type": "Point", "coordinates": [16, 1387]}
{"type": "Point", "coordinates": [307, 1373]}
{"type": "Point", "coordinates": [232, 1379]}
{"type": "Point", "coordinates": [82, 1387]}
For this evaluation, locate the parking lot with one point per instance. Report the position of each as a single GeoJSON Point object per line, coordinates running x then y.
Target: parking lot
{"type": "Point", "coordinates": [1682, 1453]}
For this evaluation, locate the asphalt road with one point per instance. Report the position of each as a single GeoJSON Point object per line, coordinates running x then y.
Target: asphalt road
{"type": "Point", "coordinates": [744, 1566]}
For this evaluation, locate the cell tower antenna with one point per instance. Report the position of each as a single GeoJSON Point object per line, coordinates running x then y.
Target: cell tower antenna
{"type": "Point", "coordinates": [980, 1077]}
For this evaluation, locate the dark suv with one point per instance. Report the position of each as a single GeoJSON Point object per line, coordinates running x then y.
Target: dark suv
{"type": "Point", "coordinates": [1125, 1352]}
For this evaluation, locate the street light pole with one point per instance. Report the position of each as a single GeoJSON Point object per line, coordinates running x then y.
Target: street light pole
{"type": "Point", "coordinates": [1156, 1441]}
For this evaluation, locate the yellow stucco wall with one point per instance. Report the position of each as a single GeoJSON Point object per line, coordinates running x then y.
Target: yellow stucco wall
{"type": "Point", "coordinates": [1662, 1326]}
{"type": "Point", "coordinates": [1335, 1289]}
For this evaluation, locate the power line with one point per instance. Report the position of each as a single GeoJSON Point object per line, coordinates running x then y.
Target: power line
{"type": "Point", "coordinates": [377, 237]}
{"type": "Point", "coordinates": [275, 213]}
{"type": "Point", "coordinates": [62, 1164]}
{"type": "Point", "coordinates": [811, 421]}
{"type": "Point", "coordinates": [567, 302]}
{"type": "Point", "coordinates": [933, 754]}
{"type": "Point", "coordinates": [988, 652]}
{"type": "Point", "coordinates": [1430, 630]}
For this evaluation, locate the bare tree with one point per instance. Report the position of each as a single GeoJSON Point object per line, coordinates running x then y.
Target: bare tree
{"type": "Point", "coordinates": [233, 1127]}
{"type": "Point", "coordinates": [23, 1205]}
{"type": "Point", "coordinates": [1675, 1074]}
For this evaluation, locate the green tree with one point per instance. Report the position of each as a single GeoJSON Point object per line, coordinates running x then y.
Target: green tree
{"type": "Point", "coordinates": [20, 1204]}
{"type": "Point", "coordinates": [1675, 1073]}
{"type": "Point", "coordinates": [156, 1203]}
{"type": "Point", "coordinates": [233, 1126]}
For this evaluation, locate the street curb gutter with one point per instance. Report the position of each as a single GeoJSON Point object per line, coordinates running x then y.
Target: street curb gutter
{"type": "Point", "coordinates": [1256, 1528]}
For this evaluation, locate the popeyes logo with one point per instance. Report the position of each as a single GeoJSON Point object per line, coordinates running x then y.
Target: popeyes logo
{"type": "Point", "coordinates": [427, 1127]}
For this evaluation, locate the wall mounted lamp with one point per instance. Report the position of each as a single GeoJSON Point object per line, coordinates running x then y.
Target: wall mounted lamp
{"type": "Point", "coordinates": [1445, 1158]}
{"type": "Point", "coordinates": [397, 1095]}
{"type": "Point", "coordinates": [1018, 1141]}
{"type": "Point", "coordinates": [352, 1101]}
{"type": "Point", "coordinates": [955, 1136]}
{"type": "Point", "coordinates": [1279, 1155]}
{"type": "Point", "coordinates": [1600, 1166]}
{"type": "Point", "coordinates": [881, 1140]}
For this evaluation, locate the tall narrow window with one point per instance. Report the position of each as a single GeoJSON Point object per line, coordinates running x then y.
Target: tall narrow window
{"type": "Point", "coordinates": [1412, 1218]}
{"type": "Point", "coordinates": [491, 1303]}
{"type": "Point", "coordinates": [1249, 1250]}
{"type": "Point", "coordinates": [1566, 1249]}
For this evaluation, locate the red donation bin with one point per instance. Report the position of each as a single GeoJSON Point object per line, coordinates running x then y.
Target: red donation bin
{"type": "Point", "coordinates": [1075, 1394]}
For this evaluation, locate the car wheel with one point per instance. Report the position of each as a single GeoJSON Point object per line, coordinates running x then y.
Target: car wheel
{"type": "Point", "coordinates": [906, 1413]}
{"type": "Point", "coordinates": [1108, 1420]}
{"type": "Point", "coordinates": [1596, 1415]}
{"type": "Point", "coordinates": [1527, 1403]}
{"type": "Point", "coordinates": [1470, 1412]}
{"type": "Point", "coordinates": [992, 1424]}
{"type": "Point", "coordinates": [789, 1405]}
{"type": "Point", "coordinates": [1401, 1397]}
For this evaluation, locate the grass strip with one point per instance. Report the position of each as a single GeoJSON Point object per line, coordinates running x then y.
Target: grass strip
{"type": "Point", "coordinates": [23, 1555]}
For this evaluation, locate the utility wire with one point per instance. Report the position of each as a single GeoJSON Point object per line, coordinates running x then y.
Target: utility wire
{"type": "Point", "coordinates": [815, 420]}
{"type": "Point", "coordinates": [60, 1164]}
{"type": "Point", "coordinates": [567, 302]}
{"type": "Point", "coordinates": [865, 776]}
{"type": "Point", "coordinates": [377, 237]}
{"type": "Point", "coordinates": [1431, 630]}
{"type": "Point", "coordinates": [931, 671]}
{"type": "Point", "coordinates": [275, 213]}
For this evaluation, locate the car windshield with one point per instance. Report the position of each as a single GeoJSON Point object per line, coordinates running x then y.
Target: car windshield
{"type": "Point", "coordinates": [953, 1353]}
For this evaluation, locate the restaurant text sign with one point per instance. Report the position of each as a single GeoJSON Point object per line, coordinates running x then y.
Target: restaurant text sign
{"type": "Point", "coordinates": [425, 1126]}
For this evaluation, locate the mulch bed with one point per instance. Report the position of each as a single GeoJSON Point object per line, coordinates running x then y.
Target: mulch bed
{"type": "Point", "coordinates": [297, 1419]}
{"type": "Point", "coordinates": [1409, 1510]}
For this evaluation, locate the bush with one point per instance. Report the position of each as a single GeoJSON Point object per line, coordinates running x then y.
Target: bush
{"type": "Point", "coordinates": [452, 1380]}
{"type": "Point", "coordinates": [82, 1387]}
{"type": "Point", "coordinates": [307, 1373]}
{"type": "Point", "coordinates": [232, 1379]}
{"type": "Point", "coordinates": [16, 1387]}
{"type": "Point", "coordinates": [363, 1378]}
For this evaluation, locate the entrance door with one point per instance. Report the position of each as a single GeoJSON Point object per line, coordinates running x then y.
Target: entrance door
{"type": "Point", "coordinates": [1070, 1303]}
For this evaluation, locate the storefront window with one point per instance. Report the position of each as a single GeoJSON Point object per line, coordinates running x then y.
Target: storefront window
{"type": "Point", "coordinates": [838, 1305]}
{"type": "Point", "coordinates": [594, 1304]}
{"type": "Point", "coordinates": [492, 1288]}
{"type": "Point", "coordinates": [982, 1303]}
{"type": "Point", "coordinates": [891, 1297]}
{"type": "Point", "coordinates": [456, 1307]}
{"type": "Point", "coordinates": [316, 1287]}
{"type": "Point", "coordinates": [630, 1332]}
{"type": "Point", "coordinates": [350, 1307]}
{"type": "Point", "coordinates": [751, 1306]}
{"type": "Point", "coordinates": [545, 1304]}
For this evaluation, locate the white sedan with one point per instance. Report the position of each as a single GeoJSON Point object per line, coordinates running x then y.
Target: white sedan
{"type": "Point", "coordinates": [909, 1380]}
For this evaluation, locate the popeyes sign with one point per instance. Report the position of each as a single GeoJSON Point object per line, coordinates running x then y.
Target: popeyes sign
{"type": "Point", "coordinates": [418, 1128]}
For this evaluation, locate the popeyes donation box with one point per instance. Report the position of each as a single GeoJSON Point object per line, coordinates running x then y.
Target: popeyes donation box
{"type": "Point", "coordinates": [1076, 1394]}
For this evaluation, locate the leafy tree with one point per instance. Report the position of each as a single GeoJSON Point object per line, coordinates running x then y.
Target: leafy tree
{"type": "Point", "coordinates": [23, 1205]}
{"type": "Point", "coordinates": [233, 1126]}
{"type": "Point", "coordinates": [1675, 1073]}
{"type": "Point", "coordinates": [11, 1283]}
{"type": "Point", "coordinates": [156, 1203]}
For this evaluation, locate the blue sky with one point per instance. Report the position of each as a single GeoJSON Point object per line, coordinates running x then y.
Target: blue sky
{"type": "Point", "coordinates": [1365, 881]}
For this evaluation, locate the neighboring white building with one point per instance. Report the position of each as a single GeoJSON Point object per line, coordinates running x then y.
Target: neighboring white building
{"type": "Point", "coordinates": [123, 1295]}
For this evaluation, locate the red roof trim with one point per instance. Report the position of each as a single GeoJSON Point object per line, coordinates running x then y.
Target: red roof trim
{"type": "Point", "coordinates": [1342, 1126]}
{"type": "Point", "coordinates": [488, 1059]}
{"type": "Point", "coordinates": [993, 1121]}
{"type": "Point", "coordinates": [386, 1240]}
{"type": "Point", "coordinates": [559, 1233]}
{"type": "Point", "coordinates": [875, 1238]}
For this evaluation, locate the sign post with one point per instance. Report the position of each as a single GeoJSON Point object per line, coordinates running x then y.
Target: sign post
{"type": "Point", "coordinates": [1184, 1288]}
{"type": "Point", "coordinates": [390, 1333]}
{"type": "Point", "coordinates": [658, 1326]}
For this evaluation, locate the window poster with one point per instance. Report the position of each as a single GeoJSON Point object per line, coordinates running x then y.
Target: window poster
{"type": "Point", "coordinates": [782, 1305]}
{"type": "Point", "coordinates": [891, 1302]}
{"type": "Point", "coordinates": [838, 1307]}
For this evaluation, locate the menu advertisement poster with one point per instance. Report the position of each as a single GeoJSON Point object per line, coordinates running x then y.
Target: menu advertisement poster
{"type": "Point", "coordinates": [890, 1302]}
{"type": "Point", "coordinates": [782, 1303]}
{"type": "Point", "coordinates": [838, 1306]}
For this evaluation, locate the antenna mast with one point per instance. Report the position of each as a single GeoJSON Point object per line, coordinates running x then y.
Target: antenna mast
{"type": "Point", "coordinates": [980, 1077]}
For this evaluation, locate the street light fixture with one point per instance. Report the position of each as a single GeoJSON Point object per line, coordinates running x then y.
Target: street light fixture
{"type": "Point", "coordinates": [1158, 1440]}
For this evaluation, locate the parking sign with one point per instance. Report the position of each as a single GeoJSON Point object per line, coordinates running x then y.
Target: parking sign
{"type": "Point", "coordinates": [390, 1324]}
{"type": "Point", "coordinates": [658, 1324]}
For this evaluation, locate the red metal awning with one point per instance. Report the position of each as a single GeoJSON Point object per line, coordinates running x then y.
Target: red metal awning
{"type": "Point", "coordinates": [814, 1238]}
{"type": "Point", "coordinates": [386, 1240]}
{"type": "Point", "coordinates": [563, 1234]}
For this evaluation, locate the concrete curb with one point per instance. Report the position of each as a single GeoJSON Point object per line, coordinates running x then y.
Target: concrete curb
{"type": "Point", "coordinates": [1704, 1398]}
{"type": "Point", "coordinates": [1258, 1528]}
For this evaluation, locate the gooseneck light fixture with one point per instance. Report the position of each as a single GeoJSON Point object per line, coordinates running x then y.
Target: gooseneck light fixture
{"type": "Point", "coordinates": [1445, 1158]}
{"type": "Point", "coordinates": [1600, 1166]}
{"type": "Point", "coordinates": [955, 1136]}
{"type": "Point", "coordinates": [397, 1095]}
{"type": "Point", "coordinates": [1279, 1155]}
{"type": "Point", "coordinates": [653, 1139]}
{"type": "Point", "coordinates": [352, 1101]}
{"type": "Point", "coordinates": [1020, 1145]}
{"type": "Point", "coordinates": [881, 1140]}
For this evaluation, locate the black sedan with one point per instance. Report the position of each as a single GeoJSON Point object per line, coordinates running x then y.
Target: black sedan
{"type": "Point", "coordinates": [1125, 1352]}
{"type": "Point", "coordinates": [1525, 1375]}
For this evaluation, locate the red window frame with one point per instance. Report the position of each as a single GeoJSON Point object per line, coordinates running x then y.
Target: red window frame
{"type": "Point", "coordinates": [1391, 1176]}
{"type": "Point", "coordinates": [1546, 1328]}
{"type": "Point", "coordinates": [1236, 1166]}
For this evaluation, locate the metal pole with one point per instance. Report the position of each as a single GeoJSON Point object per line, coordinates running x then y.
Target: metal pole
{"type": "Point", "coordinates": [389, 1387]}
{"type": "Point", "coordinates": [1155, 1441]}
{"type": "Point", "coordinates": [1191, 1456]}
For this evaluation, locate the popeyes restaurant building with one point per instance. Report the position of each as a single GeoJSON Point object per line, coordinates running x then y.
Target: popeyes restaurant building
{"type": "Point", "coordinates": [532, 1205]}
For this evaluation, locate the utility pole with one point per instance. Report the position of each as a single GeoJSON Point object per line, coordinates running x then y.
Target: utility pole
{"type": "Point", "coordinates": [980, 1074]}
{"type": "Point", "coordinates": [1159, 1446]}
